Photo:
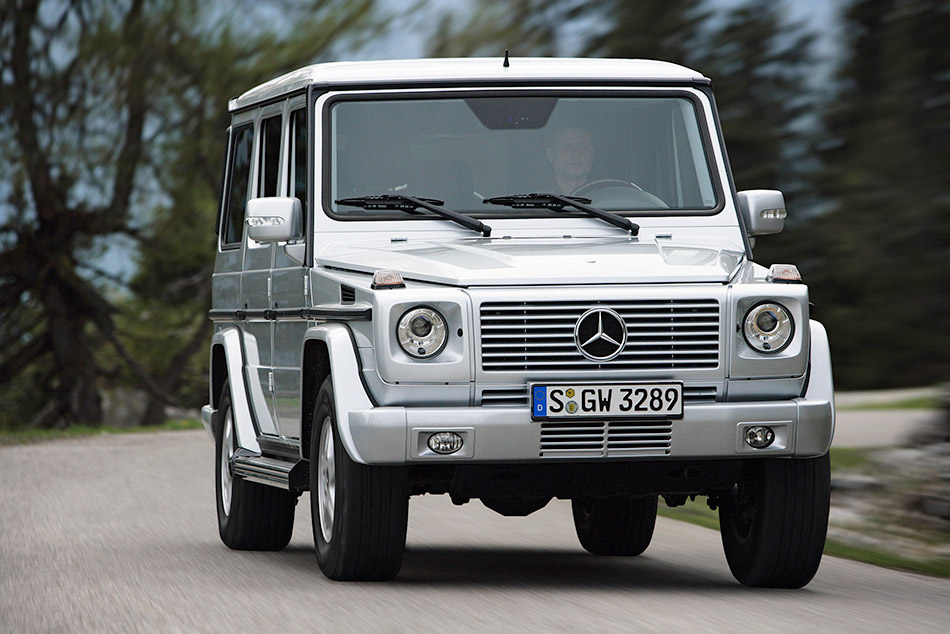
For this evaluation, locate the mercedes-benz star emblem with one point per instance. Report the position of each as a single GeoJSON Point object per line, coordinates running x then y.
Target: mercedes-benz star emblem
{"type": "Point", "coordinates": [600, 334]}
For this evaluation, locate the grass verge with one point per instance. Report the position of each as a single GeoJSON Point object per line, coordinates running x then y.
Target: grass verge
{"type": "Point", "coordinates": [28, 436]}
{"type": "Point", "coordinates": [918, 402]}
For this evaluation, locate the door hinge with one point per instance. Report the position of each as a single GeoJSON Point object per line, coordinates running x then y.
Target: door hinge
{"type": "Point", "coordinates": [270, 292]}
{"type": "Point", "coordinates": [270, 381]}
{"type": "Point", "coordinates": [306, 287]}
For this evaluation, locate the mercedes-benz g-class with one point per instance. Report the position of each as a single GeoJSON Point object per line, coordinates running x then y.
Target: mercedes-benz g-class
{"type": "Point", "coordinates": [512, 281]}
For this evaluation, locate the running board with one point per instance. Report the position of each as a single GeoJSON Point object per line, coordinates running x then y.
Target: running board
{"type": "Point", "coordinates": [293, 476]}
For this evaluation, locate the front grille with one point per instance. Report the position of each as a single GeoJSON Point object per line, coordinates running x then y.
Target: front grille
{"type": "Point", "coordinates": [670, 334]}
{"type": "Point", "coordinates": [518, 396]}
{"type": "Point", "coordinates": [581, 439]}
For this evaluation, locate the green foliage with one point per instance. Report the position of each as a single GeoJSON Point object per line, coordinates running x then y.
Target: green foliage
{"type": "Point", "coordinates": [878, 261]}
{"type": "Point", "coordinates": [30, 436]}
{"type": "Point", "coordinates": [919, 402]}
{"type": "Point", "coordinates": [525, 27]}
{"type": "Point", "coordinates": [760, 65]}
{"type": "Point", "coordinates": [862, 160]}
{"type": "Point", "coordinates": [119, 113]}
{"type": "Point", "coordinates": [668, 30]}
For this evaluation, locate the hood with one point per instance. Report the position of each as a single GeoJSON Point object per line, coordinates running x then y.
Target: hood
{"type": "Point", "coordinates": [537, 261]}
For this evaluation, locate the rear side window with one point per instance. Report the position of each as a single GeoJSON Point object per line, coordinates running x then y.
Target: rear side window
{"type": "Point", "coordinates": [270, 157]}
{"type": "Point", "coordinates": [240, 173]}
{"type": "Point", "coordinates": [298, 156]}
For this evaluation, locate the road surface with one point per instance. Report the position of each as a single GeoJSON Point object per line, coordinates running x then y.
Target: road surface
{"type": "Point", "coordinates": [118, 533]}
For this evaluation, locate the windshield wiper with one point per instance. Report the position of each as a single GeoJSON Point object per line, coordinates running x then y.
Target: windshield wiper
{"type": "Point", "coordinates": [410, 204]}
{"type": "Point", "coordinates": [557, 202]}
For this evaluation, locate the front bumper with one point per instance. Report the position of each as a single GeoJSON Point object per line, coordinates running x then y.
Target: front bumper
{"type": "Point", "coordinates": [397, 435]}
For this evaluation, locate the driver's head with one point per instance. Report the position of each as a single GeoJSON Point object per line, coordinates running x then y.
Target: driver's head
{"type": "Point", "coordinates": [571, 154]}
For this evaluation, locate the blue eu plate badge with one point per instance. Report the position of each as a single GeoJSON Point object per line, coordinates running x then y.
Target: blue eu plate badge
{"type": "Point", "coordinates": [540, 400]}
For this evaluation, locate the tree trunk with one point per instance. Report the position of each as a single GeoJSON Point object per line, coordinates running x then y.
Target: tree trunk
{"type": "Point", "coordinates": [77, 392]}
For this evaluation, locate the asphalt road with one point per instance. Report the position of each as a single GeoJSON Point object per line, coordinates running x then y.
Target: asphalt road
{"type": "Point", "coordinates": [118, 534]}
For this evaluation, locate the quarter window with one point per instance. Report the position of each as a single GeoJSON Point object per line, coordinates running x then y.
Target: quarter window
{"type": "Point", "coordinates": [269, 157]}
{"type": "Point", "coordinates": [240, 173]}
{"type": "Point", "coordinates": [298, 156]}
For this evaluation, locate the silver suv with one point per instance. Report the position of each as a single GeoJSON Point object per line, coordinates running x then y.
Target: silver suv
{"type": "Point", "coordinates": [511, 280]}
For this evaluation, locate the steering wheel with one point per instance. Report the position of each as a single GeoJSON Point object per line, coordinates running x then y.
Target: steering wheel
{"type": "Point", "coordinates": [604, 183]}
{"type": "Point", "coordinates": [612, 192]}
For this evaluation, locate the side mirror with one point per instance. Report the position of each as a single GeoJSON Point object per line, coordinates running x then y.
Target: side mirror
{"type": "Point", "coordinates": [273, 219]}
{"type": "Point", "coordinates": [763, 211]}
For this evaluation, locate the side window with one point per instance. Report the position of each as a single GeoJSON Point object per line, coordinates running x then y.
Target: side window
{"type": "Point", "coordinates": [269, 157]}
{"type": "Point", "coordinates": [298, 156]}
{"type": "Point", "coordinates": [240, 171]}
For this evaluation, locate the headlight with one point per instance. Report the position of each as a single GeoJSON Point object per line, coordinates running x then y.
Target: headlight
{"type": "Point", "coordinates": [768, 327]}
{"type": "Point", "coordinates": [421, 332]}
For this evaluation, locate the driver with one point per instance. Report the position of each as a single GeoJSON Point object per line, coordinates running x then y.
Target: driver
{"type": "Point", "coordinates": [571, 154]}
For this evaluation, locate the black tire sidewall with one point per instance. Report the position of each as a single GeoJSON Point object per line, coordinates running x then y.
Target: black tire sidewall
{"type": "Point", "coordinates": [782, 548]}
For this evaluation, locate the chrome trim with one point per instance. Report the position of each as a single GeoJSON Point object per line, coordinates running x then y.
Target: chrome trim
{"type": "Point", "coordinates": [207, 418]}
{"type": "Point", "coordinates": [270, 471]}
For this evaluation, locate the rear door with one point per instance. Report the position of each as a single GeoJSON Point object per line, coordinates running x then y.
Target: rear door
{"type": "Point", "coordinates": [256, 287]}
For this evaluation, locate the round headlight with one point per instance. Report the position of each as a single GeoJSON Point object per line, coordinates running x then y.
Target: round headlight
{"type": "Point", "coordinates": [768, 327]}
{"type": "Point", "coordinates": [421, 332]}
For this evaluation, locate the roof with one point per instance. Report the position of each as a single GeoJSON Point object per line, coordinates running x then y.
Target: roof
{"type": "Point", "coordinates": [467, 71]}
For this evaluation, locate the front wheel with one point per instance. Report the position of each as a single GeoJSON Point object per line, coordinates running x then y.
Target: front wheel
{"type": "Point", "coordinates": [360, 513]}
{"type": "Point", "coordinates": [615, 526]}
{"type": "Point", "coordinates": [774, 520]}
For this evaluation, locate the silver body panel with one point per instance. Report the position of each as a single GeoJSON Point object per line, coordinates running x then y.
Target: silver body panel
{"type": "Point", "coordinates": [387, 402]}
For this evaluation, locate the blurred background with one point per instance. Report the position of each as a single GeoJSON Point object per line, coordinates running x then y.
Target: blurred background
{"type": "Point", "coordinates": [112, 128]}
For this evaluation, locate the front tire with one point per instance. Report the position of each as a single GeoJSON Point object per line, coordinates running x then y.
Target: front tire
{"type": "Point", "coordinates": [615, 526]}
{"type": "Point", "coordinates": [774, 521]}
{"type": "Point", "coordinates": [360, 513]}
{"type": "Point", "coordinates": [251, 516]}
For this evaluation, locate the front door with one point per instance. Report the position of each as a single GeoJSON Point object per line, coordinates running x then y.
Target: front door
{"type": "Point", "coordinates": [291, 285]}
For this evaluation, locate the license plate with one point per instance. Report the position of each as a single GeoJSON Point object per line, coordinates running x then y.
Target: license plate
{"type": "Point", "coordinates": [617, 400]}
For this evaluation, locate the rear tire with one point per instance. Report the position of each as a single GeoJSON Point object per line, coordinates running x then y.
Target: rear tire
{"type": "Point", "coordinates": [615, 526]}
{"type": "Point", "coordinates": [774, 520]}
{"type": "Point", "coordinates": [251, 516]}
{"type": "Point", "coordinates": [360, 512]}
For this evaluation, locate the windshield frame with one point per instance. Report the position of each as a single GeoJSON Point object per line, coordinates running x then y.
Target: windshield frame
{"type": "Point", "coordinates": [390, 94]}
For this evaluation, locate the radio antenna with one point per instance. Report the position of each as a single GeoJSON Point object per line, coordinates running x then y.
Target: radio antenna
{"type": "Point", "coordinates": [505, 63]}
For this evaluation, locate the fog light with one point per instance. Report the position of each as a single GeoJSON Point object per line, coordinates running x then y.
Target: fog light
{"type": "Point", "coordinates": [759, 437]}
{"type": "Point", "coordinates": [445, 442]}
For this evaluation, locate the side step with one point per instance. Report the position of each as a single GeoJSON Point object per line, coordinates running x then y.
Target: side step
{"type": "Point", "coordinates": [293, 475]}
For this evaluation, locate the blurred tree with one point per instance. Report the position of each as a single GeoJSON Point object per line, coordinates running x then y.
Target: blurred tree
{"type": "Point", "coordinates": [761, 65]}
{"type": "Point", "coordinates": [525, 27]}
{"type": "Point", "coordinates": [172, 285]}
{"type": "Point", "coordinates": [668, 30]}
{"type": "Point", "coordinates": [118, 110]}
{"type": "Point", "coordinates": [878, 261]}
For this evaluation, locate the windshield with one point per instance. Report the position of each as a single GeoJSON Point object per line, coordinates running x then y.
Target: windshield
{"type": "Point", "coordinates": [634, 155]}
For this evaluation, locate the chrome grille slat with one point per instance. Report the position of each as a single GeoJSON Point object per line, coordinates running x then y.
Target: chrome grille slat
{"type": "Point", "coordinates": [539, 336]}
{"type": "Point", "coordinates": [659, 364]}
{"type": "Point", "coordinates": [586, 439]}
{"type": "Point", "coordinates": [545, 316]}
{"type": "Point", "coordinates": [487, 324]}
{"type": "Point", "coordinates": [680, 338]}
{"type": "Point", "coordinates": [618, 305]}
{"type": "Point", "coordinates": [574, 354]}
